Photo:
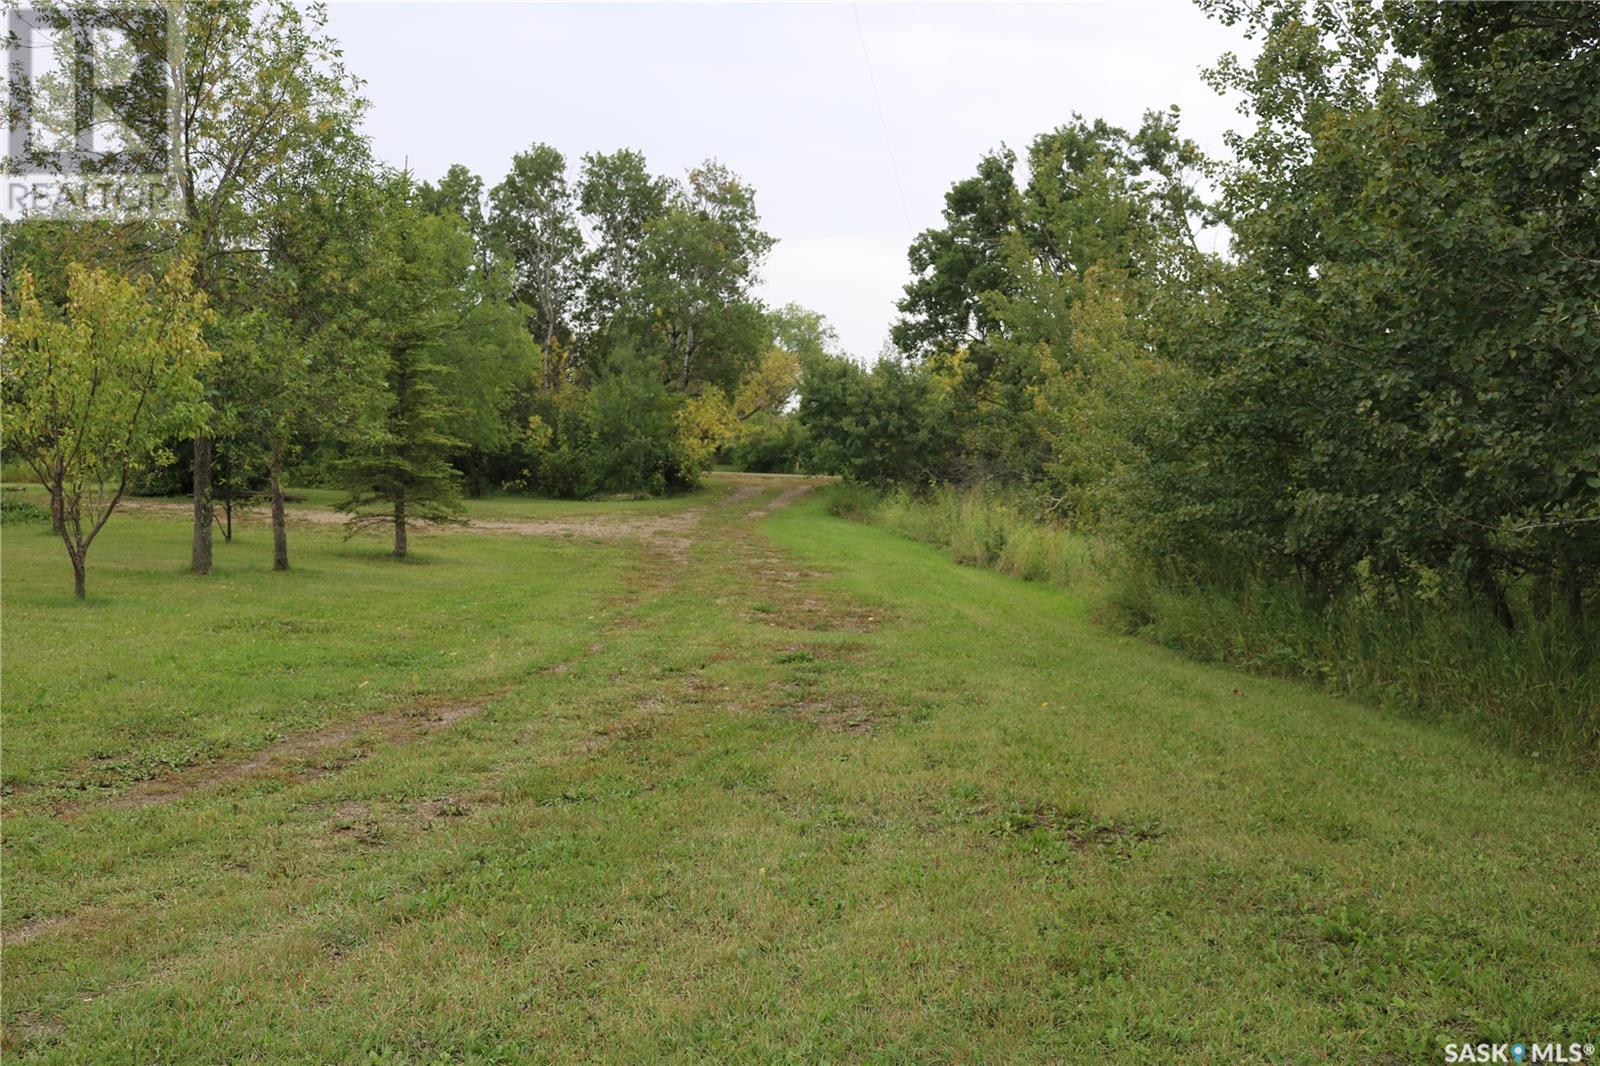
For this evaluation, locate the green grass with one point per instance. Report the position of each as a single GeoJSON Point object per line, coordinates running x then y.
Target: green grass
{"type": "Point", "coordinates": [161, 669]}
{"type": "Point", "coordinates": [1535, 690]}
{"type": "Point", "coordinates": [977, 529]}
{"type": "Point", "coordinates": [809, 791]}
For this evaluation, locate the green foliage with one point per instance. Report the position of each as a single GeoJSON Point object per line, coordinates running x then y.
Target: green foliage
{"type": "Point", "coordinates": [698, 262]}
{"type": "Point", "coordinates": [1408, 383]}
{"type": "Point", "coordinates": [619, 198]}
{"type": "Point", "coordinates": [630, 434]}
{"type": "Point", "coordinates": [94, 390]}
{"type": "Point", "coordinates": [621, 435]}
{"type": "Point", "coordinates": [990, 309]}
{"type": "Point", "coordinates": [1110, 416]}
{"type": "Point", "coordinates": [448, 349]}
{"type": "Point", "coordinates": [16, 510]}
{"type": "Point", "coordinates": [880, 426]}
{"type": "Point", "coordinates": [768, 444]}
{"type": "Point", "coordinates": [1381, 405]}
{"type": "Point", "coordinates": [534, 223]}
{"type": "Point", "coordinates": [659, 281]}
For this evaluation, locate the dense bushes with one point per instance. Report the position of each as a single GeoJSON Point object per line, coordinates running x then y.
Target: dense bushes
{"type": "Point", "coordinates": [15, 510]}
{"type": "Point", "coordinates": [626, 437]}
{"type": "Point", "coordinates": [768, 444]}
{"type": "Point", "coordinates": [881, 426]}
{"type": "Point", "coordinates": [1406, 380]}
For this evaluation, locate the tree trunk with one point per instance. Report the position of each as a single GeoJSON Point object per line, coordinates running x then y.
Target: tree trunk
{"type": "Point", "coordinates": [1572, 582]}
{"type": "Point", "coordinates": [57, 503]}
{"type": "Point", "coordinates": [1488, 585]}
{"type": "Point", "coordinates": [400, 528]}
{"type": "Point", "coordinates": [688, 359]}
{"type": "Point", "coordinates": [200, 554]}
{"type": "Point", "coordinates": [280, 534]}
{"type": "Point", "coordinates": [222, 485]}
{"type": "Point", "coordinates": [77, 558]}
{"type": "Point", "coordinates": [544, 354]}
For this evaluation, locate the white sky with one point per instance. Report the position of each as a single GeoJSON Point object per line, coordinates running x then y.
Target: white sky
{"type": "Point", "coordinates": [781, 93]}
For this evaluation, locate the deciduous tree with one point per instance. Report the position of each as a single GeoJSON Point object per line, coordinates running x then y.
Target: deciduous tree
{"type": "Point", "coordinates": [94, 392]}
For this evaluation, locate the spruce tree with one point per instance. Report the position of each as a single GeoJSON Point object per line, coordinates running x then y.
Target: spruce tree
{"type": "Point", "coordinates": [417, 296]}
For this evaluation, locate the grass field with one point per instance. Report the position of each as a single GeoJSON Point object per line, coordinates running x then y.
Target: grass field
{"type": "Point", "coordinates": [742, 781]}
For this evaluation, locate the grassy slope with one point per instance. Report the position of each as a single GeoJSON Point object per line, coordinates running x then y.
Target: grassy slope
{"type": "Point", "coordinates": [729, 806]}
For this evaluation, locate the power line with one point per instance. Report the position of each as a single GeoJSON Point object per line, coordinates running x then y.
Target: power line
{"type": "Point", "coordinates": [883, 123]}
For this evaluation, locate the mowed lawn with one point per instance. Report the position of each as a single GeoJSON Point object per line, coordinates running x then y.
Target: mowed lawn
{"type": "Point", "coordinates": [784, 787]}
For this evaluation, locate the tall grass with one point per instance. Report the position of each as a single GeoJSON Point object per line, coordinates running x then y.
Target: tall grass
{"type": "Point", "coordinates": [1536, 689]}
{"type": "Point", "coordinates": [994, 529]}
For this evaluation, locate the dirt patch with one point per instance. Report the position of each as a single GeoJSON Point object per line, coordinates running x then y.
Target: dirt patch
{"type": "Point", "coordinates": [600, 526]}
{"type": "Point", "coordinates": [851, 717]}
{"type": "Point", "coordinates": [38, 927]}
{"type": "Point", "coordinates": [301, 757]}
{"type": "Point", "coordinates": [1050, 833]}
{"type": "Point", "coordinates": [783, 499]}
{"type": "Point", "coordinates": [444, 807]}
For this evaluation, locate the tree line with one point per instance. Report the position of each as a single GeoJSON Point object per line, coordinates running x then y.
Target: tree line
{"type": "Point", "coordinates": [1387, 385]}
{"type": "Point", "coordinates": [569, 330]}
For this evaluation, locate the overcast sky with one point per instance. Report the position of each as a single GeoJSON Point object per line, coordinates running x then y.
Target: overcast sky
{"type": "Point", "coordinates": [784, 95]}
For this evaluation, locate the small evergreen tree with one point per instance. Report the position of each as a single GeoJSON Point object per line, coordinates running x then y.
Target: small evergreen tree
{"type": "Point", "coordinates": [418, 301]}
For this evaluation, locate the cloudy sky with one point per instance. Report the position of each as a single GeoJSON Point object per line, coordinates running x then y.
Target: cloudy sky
{"type": "Point", "coordinates": [851, 121]}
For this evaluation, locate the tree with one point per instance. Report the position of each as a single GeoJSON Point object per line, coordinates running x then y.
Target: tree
{"type": "Point", "coordinates": [954, 265]}
{"type": "Point", "coordinates": [460, 193]}
{"type": "Point", "coordinates": [989, 309]}
{"type": "Point", "coordinates": [258, 81]}
{"type": "Point", "coordinates": [619, 197]}
{"type": "Point", "coordinates": [445, 347]}
{"type": "Point", "coordinates": [1410, 385]}
{"type": "Point", "coordinates": [300, 344]}
{"type": "Point", "coordinates": [700, 261]}
{"type": "Point", "coordinates": [634, 439]}
{"type": "Point", "coordinates": [534, 221]}
{"type": "Point", "coordinates": [93, 393]}
{"type": "Point", "coordinates": [879, 427]}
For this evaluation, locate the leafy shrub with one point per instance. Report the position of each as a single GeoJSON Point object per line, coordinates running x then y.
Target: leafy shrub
{"type": "Point", "coordinates": [624, 434]}
{"type": "Point", "coordinates": [881, 426]}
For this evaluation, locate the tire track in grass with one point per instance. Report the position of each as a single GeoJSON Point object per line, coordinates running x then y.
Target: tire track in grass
{"type": "Point", "coordinates": [313, 754]}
